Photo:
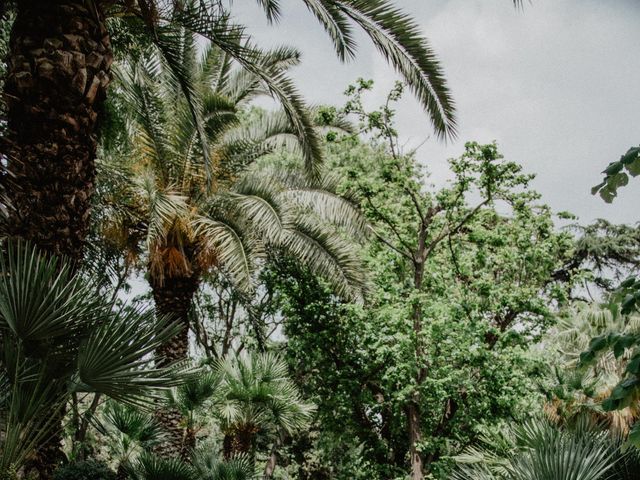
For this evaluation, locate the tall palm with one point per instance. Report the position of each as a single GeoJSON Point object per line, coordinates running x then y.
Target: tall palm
{"type": "Point", "coordinates": [183, 212]}
{"type": "Point", "coordinates": [60, 59]}
{"type": "Point", "coordinates": [255, 394]}
{"type": "Point", "coordinates": [60, 337]}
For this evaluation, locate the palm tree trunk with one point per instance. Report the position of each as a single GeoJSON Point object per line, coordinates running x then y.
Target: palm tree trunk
{"type": "Point", "coordinates": [57, 77]}
{"type": "Point", "coordinates": [238, 440]}
{"type": "Point", "coordinates": [58, 72]}
{"type": "Point", "coordinates": [173, 297]}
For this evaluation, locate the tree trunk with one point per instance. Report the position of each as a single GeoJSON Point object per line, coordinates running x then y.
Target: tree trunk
{"type": "Point", "coordinates": [272, 461]}
{"type": "Point", "coordinates": [173, 298]}
{"type": "Point", "coordinates": [414, 417]}
{"type": "Point", "coordinates": [57, 77]}
{"type": "Point", "coordinates": [58, 72]}
{"type": "Point", "coordinates": [238, 439]}
{"type": "Point", "coordinates": [415, 437]}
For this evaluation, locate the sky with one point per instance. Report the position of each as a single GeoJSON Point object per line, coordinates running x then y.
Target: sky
{"type": "Point", "coordinates": [556, 85]}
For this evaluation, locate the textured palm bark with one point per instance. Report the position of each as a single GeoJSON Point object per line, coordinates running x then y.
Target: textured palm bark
{"type": "Point", "coordinates": [57, 77]}
{"type": "Point", "coordinates": [58, 72]}
{"type": "Point", "coordinates": [173, 297]}
{"type": "Point", "coordinates": [237, 440]}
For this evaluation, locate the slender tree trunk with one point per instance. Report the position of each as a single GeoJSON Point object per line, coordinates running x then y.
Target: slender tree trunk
{"type": "Point", "coordinates": [173, 298]}
{"type": "Point", "coordinates": [58, 72]}
{"type": "Point", "coordinates": [273, 459]}
{"type": "Point", "coordinates": [414, 417]}
{"type": "Point", "coordinates": [415, 437]}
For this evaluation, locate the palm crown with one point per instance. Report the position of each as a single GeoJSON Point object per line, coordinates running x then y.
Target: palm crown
{"type": "Point", "coordinates": [189, 220]}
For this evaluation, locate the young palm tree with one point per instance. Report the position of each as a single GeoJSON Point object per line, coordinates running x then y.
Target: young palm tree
{"type": "Point", "coordinates": [59, 337]}
{"type": "Point", "coordinates": [60, 58]}
{"type": "Point", "coordinates": [256, 393]}
{"type": "Point", "coordinates": [204, 467]}
{"type": "Point", "coordinates": [537, 450]}
{"type": "Point", "coordinates": [129, 432]}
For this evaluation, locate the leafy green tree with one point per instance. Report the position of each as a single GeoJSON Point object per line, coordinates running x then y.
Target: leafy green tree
{"type": "Point", "coordinates": [460, 290]}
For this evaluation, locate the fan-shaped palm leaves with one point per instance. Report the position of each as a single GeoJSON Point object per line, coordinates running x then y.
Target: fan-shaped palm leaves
{"type": "Point", "coordinates": [59, 337]}
{"type": "Point", "coordinates": [130, 432]}
{"type": "Point", "coordinates": [256, 393]}
{"type": "Point", "coordinates": [204, 466]}
{"type": "Point", "coordinates": [537, 450]}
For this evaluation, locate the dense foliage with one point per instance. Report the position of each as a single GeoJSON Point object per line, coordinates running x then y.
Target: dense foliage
{"type": "Point", "coordinates": [196, 288]}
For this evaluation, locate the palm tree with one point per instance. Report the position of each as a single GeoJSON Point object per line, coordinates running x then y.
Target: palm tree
{"type": "Point", "coordinates": [129, 432]}
{"type": "Point", "coordinates": [204, 467]}
{"type": "Point", "coordinates": [537, 450]}
{"type": "Point", "coordinates": [256, 393]}
{"type": "Point", "coordinates": [60, 338]}
{"type": "Point", "coordinates": [579, 391]}
{"type": "Point", "coordinates": [60, 59]}
{"type": "Point", "coordinates": [181, 212]}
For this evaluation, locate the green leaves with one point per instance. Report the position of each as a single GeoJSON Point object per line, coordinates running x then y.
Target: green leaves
{"type": "Point", "coordinates": [616, 177]}
{"type": "Point", "coordinates": [40, 300]}
{"type": "Point", "coordinates": [60, 336]}
{"type": "Point", "coordinates": [115, 359]}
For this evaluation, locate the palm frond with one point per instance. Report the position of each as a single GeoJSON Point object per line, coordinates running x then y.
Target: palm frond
{"type": "Point", "coordinates": [115, 359]}
{"type": "Point", "coordinates": [151, 467]}
{"type": "Point", "coordinates": [209, 467]}
{"type": "Point", "coordinates": [177, 47]}
{"type": "Point", "coordinates": [336, 24]}
{"type": "Point", "coordinates": [271, 9]}
{"type": "Point", "coordinates": [226, 36]}
{"type": "Point", "coordinates": [225, 242]}
{"type": "Point", "coordinates": [256, 390]}
{"type": "Point", "coordinates": [40, 299]}
{"type": "Point", "coordinates": [399, 40]}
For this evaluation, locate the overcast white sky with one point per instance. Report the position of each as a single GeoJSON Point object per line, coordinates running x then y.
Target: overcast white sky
{"type": "Point", "coordinates": [557, 86]}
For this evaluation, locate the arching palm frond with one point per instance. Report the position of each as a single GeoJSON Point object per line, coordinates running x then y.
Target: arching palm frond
{"type": "Point", "coordinates": [271, 9]}
{"type": "Point", "coordinates": [336, 24]}
{"type": "Point", "coordinates": [244, 85]}
{"type": "Point", "coordinates": [145, 102]}
{"type": "Point", "coordinates": [177, 46]}
{"type": "Point", "coordinates": [327, 255]}
{"type": "Point", "coordinates": [226, 244]}
{"type": "Point", "coordinates": [399, 40]}
{"type": "Point", "coordinates": [227, 36]}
